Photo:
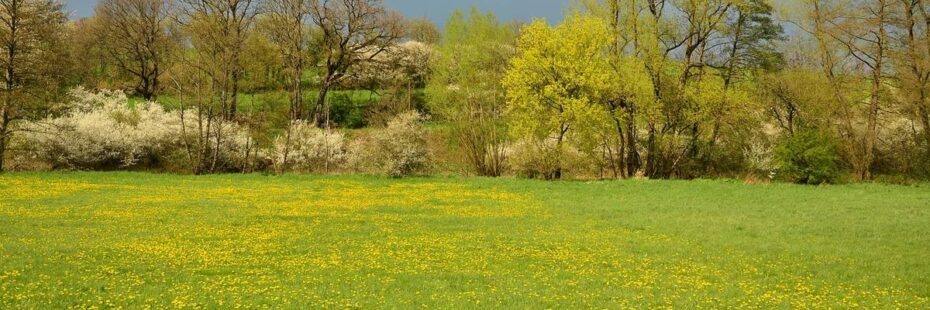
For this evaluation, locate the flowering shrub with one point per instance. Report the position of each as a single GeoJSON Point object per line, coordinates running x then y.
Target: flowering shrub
{"type": "Point", "coordinates": [236, 150]}
{"type": "Point", "coordinates": [398, 150]}
{"type": "Point", "coordinates": [408, 60]}
{"type": "Point", "coordinates": [308, 148]}
{"type": "Point", "coordinates": [101, 130]}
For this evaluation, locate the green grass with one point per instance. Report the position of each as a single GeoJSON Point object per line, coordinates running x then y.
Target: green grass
{"type": "Point", "coordinates": [126, 239]}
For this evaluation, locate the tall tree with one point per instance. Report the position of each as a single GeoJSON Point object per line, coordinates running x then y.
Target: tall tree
{"type": "Point", "coordinates": [31, 36]}
{"type": "Point", "coordinates": [209, 80]}
{"type": "Point", "coordinates": [464, 88]}
{"type": "Point", "coordinates": [862, 31]}
{"type": "Point", "coordinates": [137, 37]}
{"type": "Point", "coordinates": [352, 33]}
{"type": "Point", "coordinates": [557, 82]}
{"type": "Point", "coordinates": [752, 34]}
{"type": "Point", "coordinates": [914, 57]}
{"type": "Point", "coordinates": [218, 30]}
{"type": "Point", "coordinates": [749, 44]}
{"type": "Point", "coordinates": [623, 19]}
{"type": "Point", "coordinates": [287, 25]}
{"type": "Point", "coordinates": [704, 20]}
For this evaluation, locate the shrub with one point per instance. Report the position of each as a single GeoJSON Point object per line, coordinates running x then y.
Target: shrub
{"type": "Point", "coordinates": [542, 159]}
{"type": "Point", "coordinates": [103, 131]}
{"type": "Point", "coordinates": [201, 152]}
{"type": "Point", "coordinates": [398, 150]}
{"type": "Point", "coordinates": [307, 148]}
{"type": "Point", "coordinates": [238, 151]}
{"type": "Point", "coordinates": [808, 157]}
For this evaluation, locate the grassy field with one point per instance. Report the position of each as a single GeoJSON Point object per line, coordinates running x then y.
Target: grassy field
{"type": "Point", "coordinates": [125, 239]}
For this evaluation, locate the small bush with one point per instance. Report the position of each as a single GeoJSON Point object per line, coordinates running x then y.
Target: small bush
{"type": "Point", "coordinates": [398, 150]}
{"type": "Point", "coordinates": [808, 157]}
{"type": "Point", "coordinates": [535, 159]}
{"type": "Point", "coordinates": [308, 148]}
{"type": "Point", "coordinates": [238, 150]}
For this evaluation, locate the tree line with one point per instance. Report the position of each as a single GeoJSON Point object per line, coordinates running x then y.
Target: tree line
{"type": "Point", "coordinates": [824, 91]}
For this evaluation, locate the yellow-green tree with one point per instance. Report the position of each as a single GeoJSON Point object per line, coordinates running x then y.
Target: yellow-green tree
{"type": "Point", "coordinates": [558, 81]}
{"type": "Point", "coordinates": [464, 88]}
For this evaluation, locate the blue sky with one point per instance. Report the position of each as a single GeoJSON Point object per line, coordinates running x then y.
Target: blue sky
{"type": "Point", "coordinates": [437, 10]}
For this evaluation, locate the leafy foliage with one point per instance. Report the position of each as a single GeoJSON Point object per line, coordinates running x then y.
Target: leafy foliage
{"type": "Point", "coordinates": [465, 89]}
{"type": "Point", "coordinates": [808, 157]}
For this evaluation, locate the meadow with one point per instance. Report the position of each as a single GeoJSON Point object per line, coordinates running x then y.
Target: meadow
{"type": "Point", "coordinates": [133, 240]}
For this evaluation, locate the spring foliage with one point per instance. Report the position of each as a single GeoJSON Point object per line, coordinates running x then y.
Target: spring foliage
{"type": "Point", "coordinates": [808, 157]}
{"type": "Point", "coordinates": [398, 150]}
{"type": "Point", "coordinates": [465, 87]}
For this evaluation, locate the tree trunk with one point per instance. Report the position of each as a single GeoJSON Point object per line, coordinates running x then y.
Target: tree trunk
{"type": "Point", "coordinates": [865, 172]}
{"type": "Point", "coordinates": [728, 77]}
{"type": "Point", "coordinates": [297, 112]}
{"type": "Point", "coordinates": [319, 112]}
{"type": "Point", "coordinates": [12, 50]}
{"type": "Point", "coordinates": [143, 89]}
{"type": "Point", "coordinates": [2, 152]}
{"type": "Point", "coordinates": [557, 172]}
{"type": "Point", "coordinates": [633, 160]}
{"type": "Point", "coordinates": [651, 152]}
{"type": "Point", "coordinates": [925, 119]}
{"type": "Point", "coordinates": [3, 139]}
{"type": "Point", "coordinates": [234, 100]}
{"type": "Point", "coordinates": [917, 70]}
{"type": "Point", "coordinates": [875, 100]}
{"type": "Point", "coordinates": [618, 164]}
{"type": "Point", "coordinates": [153, 95]}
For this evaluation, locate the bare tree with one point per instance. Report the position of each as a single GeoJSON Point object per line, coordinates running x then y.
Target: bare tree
{"type": "Point", "coordinates": [914, 25]}
{"type": "Point", "coordinates": [861, 29]}
{"type": "Point", "coordinates": [136, 36]}
{"type": "Point", "coordinates": [352, 33]}
{"type": "Point", "coordinates": [286, 24]}
{"type": "Point", "coordinates": [31, 34]}
{"type": "Point", "coordinates": [218, 30]}
{"type": "Point", "coordinates": [209, 80]}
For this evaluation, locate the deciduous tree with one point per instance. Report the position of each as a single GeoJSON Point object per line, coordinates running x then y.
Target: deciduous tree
{"type": "Point", "coordinates": [558, 80]}
{"type": "Point", "coordinates": [218, 31]}
{"type": "Point", "coordinates": [287, 25]}
{"type": "Point", "coordinates": [137, 37]}
{"type": "Point", "coordinates": [465, 90]}
{"type": "Point", "coordinates": [352, 33]}
{"type": "Point", "coordinates": [31, 36]}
